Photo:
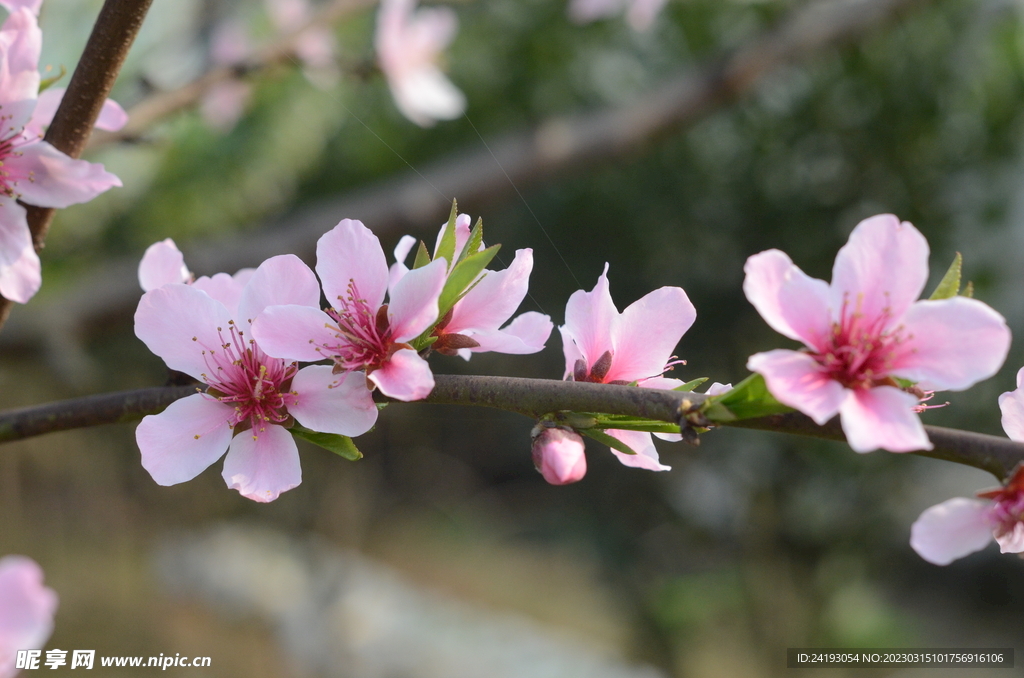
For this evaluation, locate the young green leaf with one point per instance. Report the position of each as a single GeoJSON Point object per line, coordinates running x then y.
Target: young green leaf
{"type": "Point", "coordinates": [462, 276]}
{"type": "Point", "coordinates": [748, 399]}
{"type": "Point", "coordinates": [476, 239]}
{"type": "Point", "coordinates": [46, 83]}
{"type": "Point", "coordinates": [446, 248]}
{"type": "Point", "coordinates": [690, 385]}
{"type": "Point", "coordinates": [606, 439]}
{"type": "Point", "coordinates": [968, 291]}
{"type": "Point", "coordinates": [422, 256]}
{"type": "Point", "coordinates": [949, 286]}
{"type": "Point", "coordinates": [339, 444]}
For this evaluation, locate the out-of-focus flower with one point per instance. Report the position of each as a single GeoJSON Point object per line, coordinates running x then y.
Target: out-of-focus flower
{"type": "Point", "coordinates": [162, 264]}
{"type": "Point", "coordinates": [31, 5]}
{"type": "Point", "coordinates": [252, 396]}
{"type": "Point", "coordinates": [409, 43]}
{"type": "Point", "coordinates": [224, 103]}
{"type": "Point", "coordinates": [26, 610]}
{"type": "Point", "coordinates": [558, 453]}
{"type": "Point", "coordinates": [360, 331]}
{"type": "Point", "coordinates": [34, 172]}
{"type": "Point", "coordinates": [866, 329]}
{"type": "Point", "coordinates": [474, 324]}
{"type": "Point", "coordinates": [601, 345]}
{"type": "Point", "coordinates": [639, 13]}
{"type": "Point", "coordinates": [960, 526]}
{"type": "Point", "coordinates": [316, 45]}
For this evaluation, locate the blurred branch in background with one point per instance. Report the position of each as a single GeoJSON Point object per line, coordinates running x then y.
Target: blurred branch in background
{"type": "Point", "coordinates": [531, 397]}
{"type": "Point", "coordinates": [143, 115]}
{"type": "Point", "coordinates": [419, 198]}
{"type": "Point", "coordinates": [112, 36]}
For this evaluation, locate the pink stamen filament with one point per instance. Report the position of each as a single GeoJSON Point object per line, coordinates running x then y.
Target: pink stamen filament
{"type": "Point", "coordinates": [363, 341]}
{"type": "Point", "coordinates": [859, 353]}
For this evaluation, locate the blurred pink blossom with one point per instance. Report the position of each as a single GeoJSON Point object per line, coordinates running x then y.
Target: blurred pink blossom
{"type": "Point", "coordinates": [558, 453]}
{"type": "Point", "coordinates": [31, 5]}
{"type": "Point", "coordinates": [26, 610]}
{"type": "Point", "coordinates": [639, 13]}
{"type": "Point", "coordinates": [360, 331]}
{"type": "Point", "coordinates": [864, 330]}
{"type": "Point", "coordinates": [601, 345]}
{"type": "Point", "coordinates": [34, 172]}
{"type": "Point", "coordinates": [409, 43]}
{"type": "Point", "coordinates": [202, 329]}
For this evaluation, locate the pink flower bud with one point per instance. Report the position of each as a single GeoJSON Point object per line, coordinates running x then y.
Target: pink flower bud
{"type": "Point", "coordinates": [558, 454]}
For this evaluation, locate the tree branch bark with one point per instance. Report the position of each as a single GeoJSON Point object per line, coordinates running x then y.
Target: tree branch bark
{"type": "Point", "coordinates": [531, 397]}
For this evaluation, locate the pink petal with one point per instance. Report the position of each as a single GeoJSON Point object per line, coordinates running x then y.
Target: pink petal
{"type": "Point", "coordinates": [494, 298]}
{"type": "Point", "coordinates": [796, 379]}
{"type": "Point", "coordinates": [13, 5]}
{"type": "Point", "coordinates": [26, 610]}
{"type": "Point", "coordinates": [589, 317]}
{"type": "Point", "coordinates": [951, 530]}
{"type": "Point", "coordinates": [647, 333]}
{"type": "Point", "coordinates": [412, 307]}
{"type": "Point", "coordinates": [178, 323]}
{"type": "Point", "coordinates": [426, 95]}
{"type": "Point", "coordinates": [528, 333]}
{"type": "Point", "coordinates": [263, 464]}
{"type": "Point", "coordinates": [1013, 540]}
{"type": "Point", "coordinates": [791, 302]}
{"type": "Point", "coordinates": [399, 269]}
{"type": "Point", "coordinates": [951, 344]}
{"type": "Point", "coordinates": [559, 456]}
{"type": "Point", "coordinates": [182, 441]}
{"type": "Point", "coordinates": [646, 456]}
{"type": "Point", "coordinates": [223, 104]}
{"type": "Point", "coordinates": [223, 288]}
{"type": "Point", "coordinates": [46, 177]}
{"type": "Point", "coordinates": [294, 332]}
{"type": "Point", "coordinates": [20, 44]}
{"type": "Point", "coordinates": [351, 252]}
{"type": "Point", "coordinates": [162, 264]}
{"type": "Point", "coordinates": [571, 351]}
{"type": "Point", "coordinates": [333, 403]}
{"type": "Point", "coordinates": [20, 271]}
{"type": "Point", "coordinates": [883, 417]}
{"type": "Point", "coordinates": [1011, 404]}
{"type": "Point", "coordinates": [406, 376]}
{"type": "Point", "coordinates": [112, 117]}
{"type": "Point", "coordinates": [717, 389]}
{"type": "Point", "coordinates": [279, 281]}
{"type": "Point", "coordinates": [883, 267]}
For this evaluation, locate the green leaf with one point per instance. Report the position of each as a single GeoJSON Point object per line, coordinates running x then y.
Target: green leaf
{"type": "Point", "coordinates": [446, 248]}
{"type": "Point", "coordinates": [690, 385]}
{"type": "Point", "coordinates": [45, 83]}
{"type": "Point", "coordinates": [626, 422]}
{"type": "Point", "coordinates": [949, 286]}
{"type": "Point", "coordinates": [462, 276]}
{"type": "Point", "coordinates": [968, 291]}
{"type": "Point", "coordinates": [340, 445]}
{"type": "Point", "coordinates": [476, 239]}
{"type": "Point", "coordinates": [422, 256]}
{"type": "Point", "coordinates": [748, 399]}
{"type": "Point", "coordinates": [606, 439]}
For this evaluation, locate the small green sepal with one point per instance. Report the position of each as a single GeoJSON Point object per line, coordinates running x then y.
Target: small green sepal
{"type": "Point", "coordinates": [339, 444]}
{"type": "Point", "coordinates": [422, 256]}
{"type": "Point", "coordinates": [949, 286]}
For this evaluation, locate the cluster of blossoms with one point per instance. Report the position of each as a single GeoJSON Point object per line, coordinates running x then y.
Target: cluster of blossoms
{"type": "Point", "coordinates": [31, 170]}
{"type": "Point", "coordinates": [26, 610]}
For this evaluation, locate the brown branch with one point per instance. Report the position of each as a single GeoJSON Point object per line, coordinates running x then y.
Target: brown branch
{"type": "Point", "coordinates": [163, 104]}
{"type": "Point", "coordinates": [519, 160]}
{"type": "Point", "coordinates": [530, 397]}
{"type": "Point", "coordinates": [112, 36]}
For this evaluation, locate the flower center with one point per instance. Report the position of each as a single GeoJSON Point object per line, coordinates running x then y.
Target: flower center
{"type": "Point", "coordinates": [364, 334]}
{"type": "Point", "coordinates": [256, 385]}
{"type": "Point", "coordinates": [860, 352]}
{"type": "Point", "coordinates": [598, 372]}
{"type": "Point", "coordinates": [8, 148]}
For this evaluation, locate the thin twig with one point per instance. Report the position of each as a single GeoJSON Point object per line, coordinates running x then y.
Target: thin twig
{"type": "Point", "coordinates": [158, 106]}
{"type": "Point", "coordinates": [112, 36]}
{"type": "Point", "coordinates": [530, 397]}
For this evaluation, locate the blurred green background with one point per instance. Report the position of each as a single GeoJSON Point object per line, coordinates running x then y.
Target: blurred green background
{"type": "Point", "coordinates": [753, 543]}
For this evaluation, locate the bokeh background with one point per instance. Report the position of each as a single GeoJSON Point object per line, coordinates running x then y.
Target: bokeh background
{"type": "Point", "coordinates": [443, 553]}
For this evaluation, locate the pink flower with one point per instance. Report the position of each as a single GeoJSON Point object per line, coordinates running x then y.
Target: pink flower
{"type": "Point", "coordinates": [959, 526]}
{"type": "Point", "coordinates": [26, 610]}
{"type": "Point", "coordinates": [473, 325]}
{"type": "Point", "coordinates": [409, 45]}
{"type": "Point", "coordinates": [223, 104]}
{"type": "Point", "coordinates": [361, 332]}
{"type": "Point", "coordinates": [864, 330]}
{"type": "Point", "coordinates": [252, 397]}
{"type": "Point", "coordinates": [33, 171]}
{"type": "Point", "coordinates": [639, 13]}
{"type": "Point", "coordinates": [558, 454]}
{"type": "Point", "coordinates": [315, 47]}
{"type": "Point", "coordinates": [31, 5]}
{"type": "Point", "coordinates": [604, 346]}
